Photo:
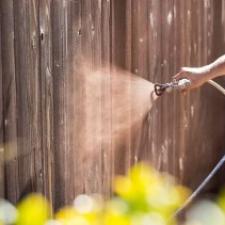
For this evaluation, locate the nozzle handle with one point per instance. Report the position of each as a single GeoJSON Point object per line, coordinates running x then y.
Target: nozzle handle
{"type": "Point", "coordinates": [182, 84]}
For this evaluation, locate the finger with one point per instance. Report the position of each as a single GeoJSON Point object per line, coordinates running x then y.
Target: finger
{"type": "Point", "coordinates": [179, 75]}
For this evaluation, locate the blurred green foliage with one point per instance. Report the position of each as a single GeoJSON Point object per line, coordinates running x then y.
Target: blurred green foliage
{"type": "Point", "coordinates": [143, 197]}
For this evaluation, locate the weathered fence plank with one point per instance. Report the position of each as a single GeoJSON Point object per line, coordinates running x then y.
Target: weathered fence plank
{"type": "Point", "coordinates": [2, 169]}
{"type": "Point", "coordinates": [59, 97]}
{"type": "Point", "coordinates": [24, 95]}
{"type": "Point", "coordinates": [46, 172]}
{"type": "Point", "coordinates": [9, 101]}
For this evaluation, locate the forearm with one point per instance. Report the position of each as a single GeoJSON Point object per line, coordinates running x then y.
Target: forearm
{"type": "Point", "coordinates": [211, 71]}
{"type": "Point", "coordinates": [217, 68]}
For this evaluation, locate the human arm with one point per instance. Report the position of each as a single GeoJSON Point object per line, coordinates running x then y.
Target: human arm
{"type": "Point", "coordinates": [199, 75]}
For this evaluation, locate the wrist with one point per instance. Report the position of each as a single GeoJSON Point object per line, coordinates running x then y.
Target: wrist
{"type": "Point", "coordinates": [215, 72]}
{"type": "Point", "coordinates": [210, 74]}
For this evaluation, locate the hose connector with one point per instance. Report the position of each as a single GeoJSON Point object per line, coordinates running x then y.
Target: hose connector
{"type": "Point", "coordinates": [174, 85]}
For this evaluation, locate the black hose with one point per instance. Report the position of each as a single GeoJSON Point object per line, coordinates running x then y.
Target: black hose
{"type": "Point", "coordinates": [212, 173]}
{"type": "Point", "coordinates": [201, 186]}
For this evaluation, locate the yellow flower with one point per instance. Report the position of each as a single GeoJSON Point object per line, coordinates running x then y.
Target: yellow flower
{"type": "Point", "coordinates": [150, 218]}
{"type": "Point", "coordinates": [221, 200]}
{"type": "Point", "coordinates": [116, 219]}
{"type": "Point", "coordinates": [70, 216]}
{"type": "Point", "coordinates": [146, 190]}
{"type": "Point", "coordinates": [33, 210]}
{"type": "Point", "coordinates": [141, 181]}
{"type": "Point", "coordinates": [116, 213]}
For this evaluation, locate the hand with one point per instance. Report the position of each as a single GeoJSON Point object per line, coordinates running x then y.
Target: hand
{"type": "Point", "coordinates": [197, 76]}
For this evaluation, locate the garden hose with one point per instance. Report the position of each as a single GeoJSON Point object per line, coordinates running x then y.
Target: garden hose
{"type": "Point", "coordinates": [201, 186]}
{"type": "Point", "coordinates": [214, 170]}
{"type": "Point", "coordinates": [217, 86]}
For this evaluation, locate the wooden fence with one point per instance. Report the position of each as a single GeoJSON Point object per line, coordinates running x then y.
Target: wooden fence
{"type": "Point", "coordinates": [43, 118]}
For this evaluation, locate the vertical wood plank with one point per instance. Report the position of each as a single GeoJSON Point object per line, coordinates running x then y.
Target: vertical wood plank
{"type": "Point", "coordinates": [167, 101]}
{"type": "Point", "coordinates": [35, 99]}
{"type": "Point", "coordinates": [72, 51]}
{"type": "Point", "coordinates": [119, 147]}
{"type": "Point", "coordinates": [46, 99]}
{"type": "Point", "coordinates": [9, 101]}
{"type": "Point", "coordinates": [23, 97]}
{"type": "Point", "coordinates": [77, 94]}
{"type": "Point", "coordinates": [59, 91]}
{"type": "Point", "coordinates": [106, 112]}
{"type": "Point", "coordinates": [139, 59]}
{"type": "Point", "coordinates": [2, 160]}
{"type": "Point", "coordinates": [155, 73]}
{"type": "Point", "coordinates": [93, 164]}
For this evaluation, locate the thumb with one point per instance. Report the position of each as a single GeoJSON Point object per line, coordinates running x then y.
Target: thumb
{"type": "Point", "coordinates": [179, 75]}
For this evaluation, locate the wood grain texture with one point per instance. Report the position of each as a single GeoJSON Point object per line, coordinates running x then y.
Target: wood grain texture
{"type": "Point", "coordinates": [9, 101]}
{"type": "Point", "coordinates": [24, 95]}
{"type": "Point", "coordinates": [57, 124]}
{"type": "Point", "coordinates": [46, 171]}
{"type": "Point", "coordinates": [2, 169]}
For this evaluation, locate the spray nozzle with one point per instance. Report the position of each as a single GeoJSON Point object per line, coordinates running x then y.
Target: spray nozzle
{"type": "Point", "coordinates": [174, 85]}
